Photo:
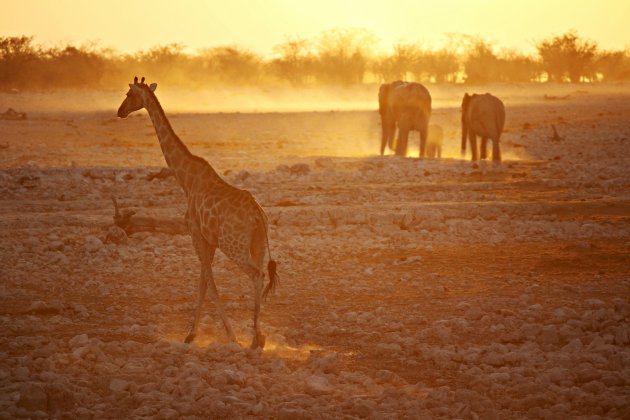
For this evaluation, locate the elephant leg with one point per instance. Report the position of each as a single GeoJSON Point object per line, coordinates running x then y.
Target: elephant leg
{"type": "Point", "coordinates": [439, 151]}
{"type": "Point", "coordinates": [472, 137]}
{"type": "Point", "coordinates": [484, 147]}
{"type": "Point", "coordinates": [496, 151]}
{"type": "Point", "coordinates": [423, 141]}
{"type": "Point", "coordinates": [391, 136]}
{"type": "Point", "coordinates": [401, 144]}
{"type": "Point", "coordinates": [387, 137]}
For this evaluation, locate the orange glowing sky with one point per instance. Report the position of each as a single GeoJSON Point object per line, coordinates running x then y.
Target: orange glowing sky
{"type": "Point", "coordinates": [133, 25]}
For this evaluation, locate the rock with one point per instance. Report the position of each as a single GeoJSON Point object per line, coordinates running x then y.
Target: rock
{"type": "Point", "coordinates": [31, 243]}
{"type": "Point", "coordinates": [279, 366]}
{"type": "Point", "coordinates": [286, 413]}
{"type": "Point", "coordinates": [493, 359]}
{"type": "Point", "coordinates": [388, 348]}
{"type": "Point", "coordinates": [567, 332]}
{"type": "Point", "coordinates": [622, 306]}
{"type": "Point", "coordinates": [559, 316]}
{"type": "Point", "coordinates": [473, 314]}
{"type": "Point", "coordinates": [499, 377]}
{"type": "Point", "coordinates": [387, 376]}
{"type": "Point", "coordinates": [364, 408]}
{"type": "Point", "coordinates": [442, 333]}
{"type": "Point", "coordinates": [118, 385]}
{"type": "Point", "coordinates": [33, 397]}
{"type": "Point", "coordinates": [60, 397]}
{"type": "Point", "coordinates": [558, 375]}
{"type": "Point", "coordinates": [317, 385]}
{"type": "Point", "coordinates": [159, 308]}
{"type": "Point", "coordinates": [463, 306]}
{"type": "Point", "coordinates": [622, 335]}
{"type": "Point", "coordinates": [40, 307]}
{"type": "Point", "coordinates": [300, 169]}
{"type": "Point", "coordinates": [233, 377]}
{"type": "Point", "coordinates": [79, 340]}
{"type": "Point", "coordinates": [586, 373]}
{"type": "Point", "coordinates": [116, 235]}
{"type": "Point", "coordinates": [326, 364]}
{"type": "Point", "coordinates": [594, 387]}
{"type": "Point", "coordinates": [167, 413]}
{"type": "Point", "coordinates": [324, 162]}
{"type": "Point", "coordinates": [548, 335]}
{"type": "Point", "coordinates": [529, 331]}
{"type": "Point", "coordinates": [92, 243]}
{"type": "Point", "coordinates": [55, 246]}
{"type": "Point", "coordinates": [81, 310]}
{"type": "Point", "coordinates": [22, 373]}
{"type": "Point", "coordinates": [595, 303]}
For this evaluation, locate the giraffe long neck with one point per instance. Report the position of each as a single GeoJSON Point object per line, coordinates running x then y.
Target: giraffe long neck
{"type": "Point", "coordinates": [187, 167]}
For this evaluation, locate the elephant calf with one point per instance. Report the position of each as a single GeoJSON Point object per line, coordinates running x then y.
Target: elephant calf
{"type": "Point", "coordinates": [484, 116]}
{"type": "Point", "coordinates": [434, 141]}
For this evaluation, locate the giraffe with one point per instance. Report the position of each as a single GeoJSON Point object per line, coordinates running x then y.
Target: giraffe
{"type": "Point", "coordinates": [219, 215]}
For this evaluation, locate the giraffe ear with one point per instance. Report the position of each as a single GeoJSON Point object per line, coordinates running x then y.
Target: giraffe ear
{"type": "Point", "coordinates": [153, 86]}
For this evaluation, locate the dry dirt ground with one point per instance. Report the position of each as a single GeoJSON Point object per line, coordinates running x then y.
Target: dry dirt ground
{"type": "Point", "coordinates": [409, 288]}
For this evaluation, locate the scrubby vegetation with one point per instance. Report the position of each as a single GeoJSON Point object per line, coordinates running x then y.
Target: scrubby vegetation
{"type": "Point", "coordinates": [337, 57]}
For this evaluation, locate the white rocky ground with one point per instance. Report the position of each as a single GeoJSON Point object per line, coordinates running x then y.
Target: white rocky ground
{"type": "Point", "coordinates": [422, 289]}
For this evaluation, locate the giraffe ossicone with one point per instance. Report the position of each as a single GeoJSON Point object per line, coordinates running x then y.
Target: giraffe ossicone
{"type": "Point", "coordinates": [219, 215]}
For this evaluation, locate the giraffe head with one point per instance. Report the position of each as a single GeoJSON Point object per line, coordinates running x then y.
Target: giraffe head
{"type": "Point", "coordinates": [135, 97]}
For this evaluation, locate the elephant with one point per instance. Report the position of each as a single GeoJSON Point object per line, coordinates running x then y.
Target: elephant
{"type": "Point", "coordinates": [408, 106]}
{"type": "Point", "coordinates": [482, 115]}
{"type": "Point", "coordinates": [434, 141]}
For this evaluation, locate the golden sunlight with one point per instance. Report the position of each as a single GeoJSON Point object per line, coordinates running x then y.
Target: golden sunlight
{"type": "Point", "coordinates": [314, 209]}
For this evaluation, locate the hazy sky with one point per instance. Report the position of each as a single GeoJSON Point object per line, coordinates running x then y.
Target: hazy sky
{"type": "Point", "coordinates": [133, 25]}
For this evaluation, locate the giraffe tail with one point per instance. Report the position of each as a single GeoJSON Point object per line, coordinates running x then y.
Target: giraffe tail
{"type": "Point", "coordinates": [273, 279]}
{"type": "Point", "coordinates": [271, 268]}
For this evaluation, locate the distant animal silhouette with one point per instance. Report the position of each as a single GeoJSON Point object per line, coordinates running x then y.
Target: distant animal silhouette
{"type": "Point", "coordinates": [218, 215]}
{"type": "Point", "coordinates": [406, 105]}
{"type": "Point", "coordinates": [482, 115]}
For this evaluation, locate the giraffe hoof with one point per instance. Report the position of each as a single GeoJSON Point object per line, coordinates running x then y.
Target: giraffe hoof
{"type": "Point", "coordinates": [259, 341]}
{"type": "Point", "coordinates": [189, 338]}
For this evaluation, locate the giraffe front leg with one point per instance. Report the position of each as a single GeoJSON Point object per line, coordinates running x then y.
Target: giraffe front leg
{"type": "Point", "coordinates": [214, 295]}
{"type": "Point", "coordinates": [203, 285]}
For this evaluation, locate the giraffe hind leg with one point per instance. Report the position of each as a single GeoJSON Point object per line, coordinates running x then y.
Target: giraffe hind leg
{"type": "Point", "coordinates": [250, 260]}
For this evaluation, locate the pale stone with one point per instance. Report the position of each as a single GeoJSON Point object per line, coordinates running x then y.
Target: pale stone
{"type": "Point", "coordinates": [473, 314]}
{"type": "Point", "coordinates": [548, 335]}
{"type": "Point", "coordinates": [22, 373]}
{"type": "Point", "coordinates": [79, 340]}
{"type": "Point", "coordinates": [118, 385]}
{"type": "Point", "coordinates": [92, 243]}
{"type": "Point", "coordinates": [317, 385]}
